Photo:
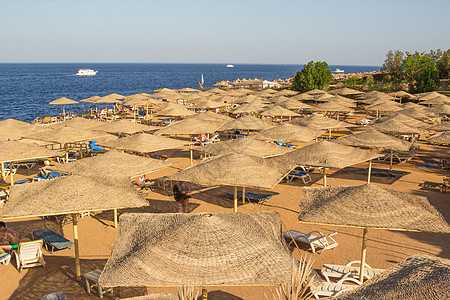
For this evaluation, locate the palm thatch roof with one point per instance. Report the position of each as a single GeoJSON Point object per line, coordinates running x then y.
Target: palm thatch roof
{"type": "Point", "coordinates": [71, 194]}
{"type": "Point", "coordinates": [246, 122]}
{"type": "Point", "coordinates": [327, 154]}
{"type": "Point", "coordinates": [405, 120]}
{"type": "Point", "coordinates": [92, 99]}
{"type": "Point", "coordinates": [370, 206]}
{"type": "Point", "coordinates": [301, 97]}
{"type": "Point", "coordinates": [141, 99]}
{"type": "Point", "coordinates": [247, 146]}
{"type": "Point", "coordinates": [278, 111]}
{"type": "Point", "coordinates": [346, 91]}
{"type": "Point", "coordinates": [401, 94]}
{"type": "Point", "coordinates": [384, 106]}
{"type": "Point", "coordinates": [315, 92]}
{"type": "Point", "coordinates": [372, 94]}
{"type": "Point", "coordinates": [288, 133]}
{"type": "Point", "coordinates": [252, 107]}
{"type": "Point", "coordinates": [441, 138]}
{"type": "Point", "coordinates": [191, 126]}
{"type": "Point", "coordinates": [198, 249]}
{"type": "Point", "coordinates": [266, 93]}
{"type": "Point", "coordinates": [374, 139]}
{"type": "Point", "coordinates": [189, 90]}
{"type": "Point", "coordinates": [409, 105]}
{"type": "Point", "coordinates": [248, 99]}
{"type": "Point", "coordinates": [393, 126]}
{"type": "Point", "coordinates": [63, 100]}
{"type": "Point", "coordinates": [113, 163]}
{"type": "Point", "coordinates": [235, 170]}
{"type": "Point", "coordinates": [209, 104]}
{"type": "Point", "coordinates": [173, 110]}
{"type": "Point", "coordinates": [17, 151]}
{"type": "Point", "coordinates": [332, 106]}
{"type": "Point", "coordinates": [417, 277]}
{"type": "Point", "coordinates": [143, 143]}
{"type": "Point", "coordinates": [426, 96]}
{"type": "Point", "coordinates": [111, 98]}
{"type": "Point", "coordinates": [294, 104]}
{"type": "Point", "coordinates": [441, 109]}
{"type": "Point", "coordinates": [319, 122]}
{"type": "Point", "coordinates": [417, 113]}
{"type": "Point", "coordinates": [66, 135]}
{"type": "Point", "coordinates": [124, 126]}
{"type": "Point", "coordinates": [287, 92]}
{"type": "Point", "coordinates": [437, 100]}
{"type": "Point", "coordinates": [441, 127]}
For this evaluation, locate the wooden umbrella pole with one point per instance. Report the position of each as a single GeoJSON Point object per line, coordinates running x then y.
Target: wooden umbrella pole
{"type": "Point", "coordinates": [370, 171]}
{"type": "Point", "coordinates": [77, 249]}
{"type": "Point", "coordinates": [115, 219]}
{"type": "Point", "coordinates": [235, 199]}
{"type": "Point", "coordinates": [243, 195]}
{"type": "Point", "coordinates": [66, 148]}
{"type": "Point", "coordinates": [204, 293]}
{"type": "Point", "coordinates": [11, 172]}
{"type": "Point", "coordinates": [391, 158]}
{"type": "Point", "coordinates": [363, 255]}
{"type": "Point", "coordinates": [64, 113]}
{"type": "Point", "coordinates": [324, 176]}
{"type": "Point", "coordinates": [190, 150]}
{"type": "Point", "coordinates": [329, 133]}
{"type": "Point", "coordinates": [3, 170]}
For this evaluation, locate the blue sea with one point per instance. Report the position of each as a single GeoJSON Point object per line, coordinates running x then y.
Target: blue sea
{"type": "Point", "coordinates": [26, 89]}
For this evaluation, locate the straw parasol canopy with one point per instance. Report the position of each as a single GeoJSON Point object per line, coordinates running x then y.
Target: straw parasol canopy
{"type": "Point", "coordinates": [247, 146]}
{"type": "Point", "coordinates": [370, 206]}
{"type": "Point", "coordinates": [63, 101]}
{"type": "Point", "coordinates": [163, 90]}
{"type": "Point", "coordinates": [328, 155]}
{"type": "Point", "coordinates": [92, 99]}
{"type": "Point", "coordinates": [11, 129]}
{"type": "Point", "coordinates": [173, 110]}
{"type": "Point", "coordinates": [319, 122]}
{"type": "Point", "coordinates": [286, 92]}
{"type": "Point", "coordinates": [143, 143]}
{"type": "Point", "coordinates": [315, 92]}
{"type": "Point", "coordinates": [17, 151]}
{"type": "Point", "coordinates": [113, 163]}
{"type": "Point", "coordinates": [302, 97]}
{"type": "Point", "coordinates": [436, 100]}
{"type": "Point", "coordinates": [346, 91]}
{"type": "Point", "coordinates": [111, 98]}
{"type": "Point", "coordinates": [235, 170]}
{"type": "Point", "coordinates": [417, 277]}
{"type": "Point", "coordinates": [266, 93]}
{"type": "Point", "coordinates": [252, 107]}
{"type": "Point", "coordinates": [71, 194]}
{"type": "Point", "coordinates": [395, 127]}
{"type": "Point", "coordinates": [426, 96]}
{"type": "Point", "coordinates": [401, 94]}
{"type": "Point", "coordinates": [205, 249]}
{"type": "Point", "coordinates": [331, 107]}
{"type": "Point", "coordinates": [288, 133]}
{"type": "Point", "coordinates": [294, 104]}
{"type": "Point", "coordinates": [441, 127]}
{"type": "Point", "coordinates": [441, 138]}
{"type": "Point", "coordinates": [405, 120]}
{"type": "Point", "coordinates": [124, 127]}
{"type": "Point", "coordinates": [141, 99]}
{"type": "Point", "coordinates": [246, 122]}
{"type": "Point", "coordinates": [384, 106]}
{"type": "Point", "coordinates": [206, 122]}
{"type": "Point", "coordinates": [66, 135]}
{"type": "Point", "coordinates": [248, 99]}
{"type": "Point", "coordinates": [418, 113]}
{"type": "Point", "coordinates": [278, 111]}
{"type": "Point", "coordinates": [441, 109]}
{"type": "Point", "coordinates": [209, 104]}
{"type": "Point", "coordinates": [188, 90]}
{"type": "Point", "coordinates": [374, 139]}
{"type": "Point", "coordinates": [372, 94]}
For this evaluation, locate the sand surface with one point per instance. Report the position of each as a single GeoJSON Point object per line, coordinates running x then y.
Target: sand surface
{"type": "Point", "coordinates": [97, 233]}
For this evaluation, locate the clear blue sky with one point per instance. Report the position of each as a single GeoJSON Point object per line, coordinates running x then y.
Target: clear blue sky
{"type": "Point", "coordinates": [358, 32]}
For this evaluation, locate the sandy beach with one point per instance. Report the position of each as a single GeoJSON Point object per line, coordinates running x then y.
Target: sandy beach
{"type": "Point", "coordinates": [97, 233]}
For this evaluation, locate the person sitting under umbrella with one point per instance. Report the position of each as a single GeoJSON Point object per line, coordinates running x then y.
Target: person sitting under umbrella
{"type": "Point", "coordinates": [8, 239]}
{"type": "Point", "coordinates": [181, 192]}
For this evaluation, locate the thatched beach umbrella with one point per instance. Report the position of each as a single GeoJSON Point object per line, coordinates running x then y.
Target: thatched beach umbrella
{"type": "Point", "coordinates": [319, 122]}
{"type": "Point", "coordinates": [11, 129]}
{"type": "Point", "coordinates": [278, 111]}
{"type": "Point", "coordinates": [124, 127]}
{"type": "Point", "coordinates": [11, 151]}
{"type": "Point", "coordinates": [77, 122]}
{"type": "Point", "coordinates": [393, 126]}
{"type": "Point", "coordinates": [188, 90]}
{"type": "Point", "coordinates": [247, 146]}
{"type": "Point", "coordinates": [328, 155]}
{"type": "Point", "coordinates": [441, 138]}
{"type": "Point", "coordinates": [286, 92]}
{"type": "Point", "coordinates": [288, 133]}
{"type": "Point", "coordinates": [302, 97]}
{"type": "Point", "coordinates": [375, 140]}
{"type": "Point", "coordinates": [174, 110]}
{"type": "Point", "coordinates": [63, 101]}
{"type": "Point", "coordinates": [71, 195]}
{"type": "Point", "coordinates": [235, 170]}
{"type": "Point", "coordinates": [315, 92]}
{"type": "Point", "coordinates": [441, 127]}
{"type": "Point", "coordinates": [252, 107]}
{"type": "Point", "coordinates": [246, 122]}
{"type": "Point", "coordinates": [346, 91]}
{"type": "Point", "coordinates": [436, 100]}
{"type": "Point", "coordinates": [209, 104]}
{"type": "Point", "coordinates": [370, 206]}
{"type": "Point", "coordinates": [92, 99]}
{"type": "Point", "coordinates": [441, 109]}
{"type": "Point", "coordinates": [387, 106]}
{"type": "Point", "coordinates": [332, 107]}
{"type": "Point", "coordinates": [417, 277]}
{"type": "Point", "coordinates": [143, 143]}
{"type": "Point", "coordinates": [405, 120]}
{"type": "Point", "coordinates": [205, 249]}
{"type": "Point", "coordinates": [401, 94]}
{"type": "Point", "coordinates": [294, 104]}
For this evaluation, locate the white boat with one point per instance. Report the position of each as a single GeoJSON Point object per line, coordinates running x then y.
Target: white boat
{"type": "Point", "coordinates": [86, 72]}
{"type": "Point", "coordinates": [338, 71]}
{"type": "Point", "coordinates": [230, 66]}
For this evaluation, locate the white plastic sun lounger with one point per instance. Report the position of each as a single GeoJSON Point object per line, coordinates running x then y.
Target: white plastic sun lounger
{"type": "Point", "coordinates": [326, 289]}
{"type": "Point", "coordinates": [317, 240]}
{"type": "Point", "coordinates": [348, 271]}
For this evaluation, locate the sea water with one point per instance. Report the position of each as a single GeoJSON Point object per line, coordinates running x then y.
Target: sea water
{"type": "Point", "coordinates": [26, 89]}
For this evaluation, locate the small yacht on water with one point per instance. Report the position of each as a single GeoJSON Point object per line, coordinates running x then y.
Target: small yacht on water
{"type": "Point", "coordinates": [338, 71]}
{"type": "Point", "coordinates": [86, 72]}
{"type": "Point", "coordinates": [230, 66]}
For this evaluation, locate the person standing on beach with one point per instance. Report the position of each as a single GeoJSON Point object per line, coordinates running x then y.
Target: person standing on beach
{"type": "Point", "coordinates": [181, 191]}
{"type": "Point", "coordinates": [8, 239]}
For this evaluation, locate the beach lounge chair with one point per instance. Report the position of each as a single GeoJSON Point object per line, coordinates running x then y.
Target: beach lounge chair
{"type": "Point", "coordinates": [261, 198]}
{"type": "Point", "coordinates": [9, 168]}
{"type": "Point", "coordinates": [5, 258]}
{"type": "Point", "coordinates": [388, 173]}
{"type": "Point", "coordinates": [320, 240]}
{"type": "Point", "coordinates": [350, 270]}
{"type": "Point", "coordinates": [50, 176]}
{"type": "Point", "coordinates": [29, 254]}
{"type": "Point", "coordinates": [327, 289]}
{"type": "Point", "coordinates": [62, 157]}
{"type": "Point", "coordinates": [95, 148]}
{"type": "Point", "coordinates": [52, 240]}
{"type": "Point", "coordinates": [304, 176]}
